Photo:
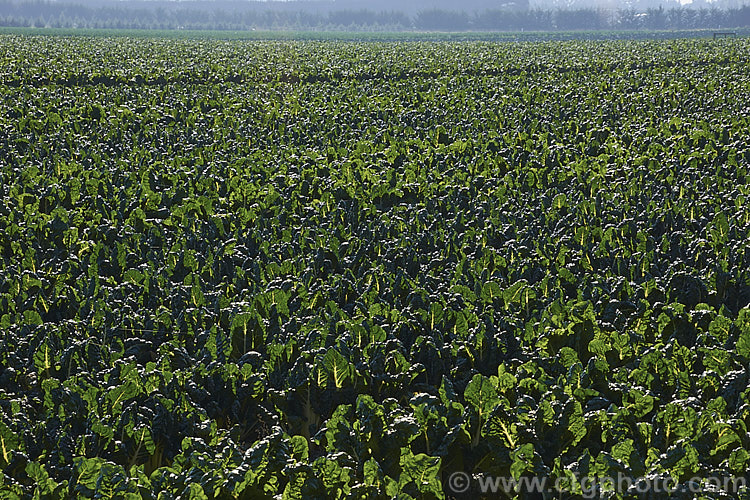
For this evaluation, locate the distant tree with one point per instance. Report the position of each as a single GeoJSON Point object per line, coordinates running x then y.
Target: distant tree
{"type": "Point", "coordinates": [739, 17]}
{"type": "Point", "coordinates": [510, 19]}
{"type": "Point", "coordinates": [492, 20]}
{"type": "Point", "coordinates": [629, 19]}
{"type": "Point", "coordinates": [691, 17]}
{"type": "Point", "coordinates": [655, 19]}
{"type": "Point", "coordinates": [712, 18]}
{"type": "Point", "coordinates": [539, 20]}
{"type": "Point", "coordinates": [579, 19]}
{"type": "Point", "coordinates": [352, 17]}
{"type": "Point", "coordinates": [394, 19]}
{"type": "Point", "coordinates": [235, 14]}
{"type": "Point", "coordinates": [442, 20]}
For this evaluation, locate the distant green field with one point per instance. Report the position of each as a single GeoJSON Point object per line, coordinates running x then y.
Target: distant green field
{"type": "Point", "coordinates": [530, 36]}
{"type": "Point", "coordinates": [325, 269]}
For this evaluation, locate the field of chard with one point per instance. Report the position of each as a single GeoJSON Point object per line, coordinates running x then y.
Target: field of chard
{"type": "Point", "coordinates": [304, 270]}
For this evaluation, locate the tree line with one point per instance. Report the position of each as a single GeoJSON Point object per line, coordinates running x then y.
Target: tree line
{"type": "Point", "coordinates": [62, 15]}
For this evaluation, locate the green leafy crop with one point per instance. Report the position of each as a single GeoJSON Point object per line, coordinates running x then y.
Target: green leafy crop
{"type": "Point", "coordinates": [350, 270]}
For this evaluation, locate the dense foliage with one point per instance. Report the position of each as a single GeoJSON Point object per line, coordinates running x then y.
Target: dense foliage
{"type": "Point", "coordinates": [341, 270]}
